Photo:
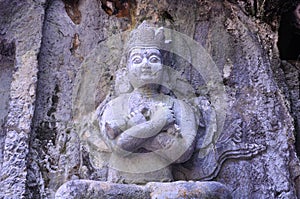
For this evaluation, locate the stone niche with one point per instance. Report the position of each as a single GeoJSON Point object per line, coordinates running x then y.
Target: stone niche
{"type": "Point", "coordinates": [7, 59]}
{"type": "Point", "coordinates": [254, 155]}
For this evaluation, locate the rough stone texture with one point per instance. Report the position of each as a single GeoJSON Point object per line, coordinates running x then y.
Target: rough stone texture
{"type": "Point", "coordinates": [235, 34]}
{"type": "Point", "coordinates": [7, 58]}
{"type": "Point", "coordinates": [243, 35]}
{"type": "Point", "coordinates": [155, 190]}
{"type": "Point", "coordinates": [55, 150]}
{"type": "Point", "coordinates": [183, 189]}
{"type": "Point", "coordinates": [292, 76]}
{"type": "Point", "coordinates": [20, 24]}
{"type": "Point", "coordinates": [256, 104]}
{"type": "Point", "coordinates": [93, 189]}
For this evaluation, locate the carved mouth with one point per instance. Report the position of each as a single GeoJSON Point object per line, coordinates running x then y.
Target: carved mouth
{"type": "Point", "coordinates": [147, 72]}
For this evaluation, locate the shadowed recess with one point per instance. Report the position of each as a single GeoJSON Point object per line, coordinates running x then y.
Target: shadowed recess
{"type": "Point", "coordinates": [72, 9]}
{"type": "Point", "coordinates": [7, 60]}
{"type": "Point", "coordinates": [289, 33]}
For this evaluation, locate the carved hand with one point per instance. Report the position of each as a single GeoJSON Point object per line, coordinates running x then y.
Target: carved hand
{"type": "Point", "coordinates": [135, 117]}
{"type": "Point", "coordinates": [163, 115]}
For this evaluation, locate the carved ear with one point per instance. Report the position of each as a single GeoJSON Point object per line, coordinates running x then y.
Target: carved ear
{"type": "Point", "coordinates": [122, 84]}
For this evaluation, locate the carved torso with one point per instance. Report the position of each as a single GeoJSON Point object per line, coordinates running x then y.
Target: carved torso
{"type": "Point", "coordinates": [150, 153]}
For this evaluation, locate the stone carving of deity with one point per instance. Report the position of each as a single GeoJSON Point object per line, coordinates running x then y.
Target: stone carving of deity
{"type": "Point", "coordinates": [147, 130]}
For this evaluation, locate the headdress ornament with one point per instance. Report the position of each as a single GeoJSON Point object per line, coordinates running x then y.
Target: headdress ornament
{"type": "Point", "coordinates": [146, 36]}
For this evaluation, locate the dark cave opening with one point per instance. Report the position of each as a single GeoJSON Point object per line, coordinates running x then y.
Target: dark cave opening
{"type": "Point", "coordinates": [289, 33]}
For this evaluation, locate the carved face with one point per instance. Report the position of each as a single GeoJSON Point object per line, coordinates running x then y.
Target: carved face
{"type": "Point", "coordinates": [145, 67]}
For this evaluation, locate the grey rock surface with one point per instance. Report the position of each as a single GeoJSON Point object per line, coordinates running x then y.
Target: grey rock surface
{"type": "Point", "coordinates": [7, 64]}
{"type": "Point", "coordinates": [21, 26]}
{"type": "Point", "coordinates": [94, 189]}
{"type": "Point", "coordinates": [45, 55]}
{"type": "Point", "coordinates": [292, 75]}
{"type": "Point", "coordinates": [183, 189]}
{"type": "Point", "coordinates": [56, 151]}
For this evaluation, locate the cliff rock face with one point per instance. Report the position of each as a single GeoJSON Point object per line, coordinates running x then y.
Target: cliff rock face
{"type": "Point", "coordinates": [20, 35]}
{"type": "Point", "coordinates": [58, 61]}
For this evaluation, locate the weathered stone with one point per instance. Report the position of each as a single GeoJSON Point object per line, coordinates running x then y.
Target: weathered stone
{"type": "Point", "coordinates": [241, 38]}
{"type": "Point", "coordinates": [65, 46]}
{"type": "Point", "coordinates": [146, 130]}
{"type": "Point", "coordinates": [7, 58]}
{"type": "Point", "coordinates": [20, 25]}
{"type": "Point", "coordinates": [292, 75]}
{"type": "Point", "coordinates": [183, 189]}
{"type": "Point", "coordinates": [78, 189]}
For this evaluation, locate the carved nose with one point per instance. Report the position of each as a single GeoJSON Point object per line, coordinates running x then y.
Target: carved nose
{"type": "Point", "coordinates": [145, 64]}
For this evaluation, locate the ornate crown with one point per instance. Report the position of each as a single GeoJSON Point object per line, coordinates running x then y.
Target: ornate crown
{"type": "Point", "coordinates": [146, 36]}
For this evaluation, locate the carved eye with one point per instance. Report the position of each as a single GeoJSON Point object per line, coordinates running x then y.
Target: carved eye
{"type": "Point", "coordinates": [137, 60]}
{"type": "Point", "coordinates": [154, 59]}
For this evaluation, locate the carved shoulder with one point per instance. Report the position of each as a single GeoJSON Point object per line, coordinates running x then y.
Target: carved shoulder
{"type": "Point", "coordinates": [113, 116]}
{"type": "Point", "coordinates": [115, 107]}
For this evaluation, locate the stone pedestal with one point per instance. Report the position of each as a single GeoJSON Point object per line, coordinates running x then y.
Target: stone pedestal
{"type": "Point", "coordinates": [180, 189]}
